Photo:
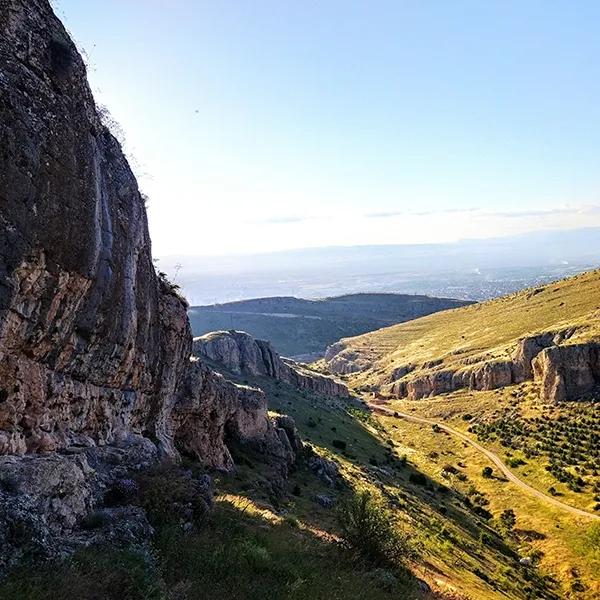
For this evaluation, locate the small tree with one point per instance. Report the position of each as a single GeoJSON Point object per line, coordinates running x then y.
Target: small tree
{"type": "Point", "coordinates": [508, 519]}
{"type": "Point", "coordinates": [368, 527]}
{"type": "Point", "coordinates": [487, 472]}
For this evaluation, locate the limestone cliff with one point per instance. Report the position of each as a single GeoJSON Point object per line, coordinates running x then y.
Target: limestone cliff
{"type": "Point", "coordinates": [567, 372]}
{"type": "Point", "coordinates": [92, 343]}
{"type": "Point", "coordinates": [564, 371]}
{"type": "Point", "coordinates": [239, 352]}
{"type": "Point", "coordinates": [94, 346]}
{"type": "Point", "coordinates": [95, 370]}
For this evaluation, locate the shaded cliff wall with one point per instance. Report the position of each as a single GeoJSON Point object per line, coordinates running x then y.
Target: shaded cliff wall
{"type": "Point", "coordinates": [94, 346]}
{"type": "Point", "coordinates": [91, 342]}
{"type": "Point", "coordinates": [239, 352]}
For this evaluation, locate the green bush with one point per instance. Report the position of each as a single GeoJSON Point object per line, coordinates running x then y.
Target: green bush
{"type": "Point", "coordinates": [257, 556]}
{"type": "Point", "coordinates": [368, 528]}
{"type": "Point", "coordinates": [95, 573]}
{"type": "Point", "coordinates": [168, 497]}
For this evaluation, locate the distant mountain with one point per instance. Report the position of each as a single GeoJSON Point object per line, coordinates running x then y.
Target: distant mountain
{"type": "Point", "coordinates": [299, 327]}
{"type": "Point", "coordinates": [468, 269]}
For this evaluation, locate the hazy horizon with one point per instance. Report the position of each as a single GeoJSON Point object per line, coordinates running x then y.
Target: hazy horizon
{"type": "Point", "coordinates": [471, 269]}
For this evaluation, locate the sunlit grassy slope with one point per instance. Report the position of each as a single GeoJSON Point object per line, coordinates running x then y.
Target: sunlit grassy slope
{"type": "Point", "coordinates": [461, 551]}
{"type": "Point", "coordinates": [483, 331]}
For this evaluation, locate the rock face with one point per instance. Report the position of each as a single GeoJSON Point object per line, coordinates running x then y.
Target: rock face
{"type": "Point", "coordinates": [213, 411]}
{"type": "Point", "coordinates": [240, 353]}
{"type": "Point", "coordinates": [344, 361]}
{"type": "Point", "coordinates": [565, 371]}
{"type": "Point", "coordinates": [92, 342]}
{"type": "Point", "coordinates": [44, 500]}
{"type": "Point", "coordinates": [94, 345]}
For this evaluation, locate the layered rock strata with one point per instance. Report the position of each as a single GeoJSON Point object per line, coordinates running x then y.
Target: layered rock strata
{"type": "Point", "coordinates": [94, 344]}
{"type": "Point", "coordinates": [564, 370]}
{"type": "Point", "coordinates": [240, 353]}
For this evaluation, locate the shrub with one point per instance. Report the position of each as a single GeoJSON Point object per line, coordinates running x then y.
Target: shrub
{"type": "Point", "coordinates": [482, 512]}
{"type": "Point", "coordinates": [291, 521]}
{"type": "Point", "coordinates": [169, 496]}
{"type": "Point", "coordinates": [487, 472]}
{"type": "Point", "coordinates": [508, 519]}
{"type": "Point", "coordinates": [257, 557]}
{"type": "Point", "coordinates": [485, 539]}
{"type": "Point", "coordinates": [418, 478]}
{"type": "Point", "coordinates": [368, 528]}
{"type": "Point", "coordinates": [339, 444]}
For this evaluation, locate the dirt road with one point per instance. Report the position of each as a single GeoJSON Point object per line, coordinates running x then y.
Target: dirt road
{"type": "Point", "coordinates": [491, 456]}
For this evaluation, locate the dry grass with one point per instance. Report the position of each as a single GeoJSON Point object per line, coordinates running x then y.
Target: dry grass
{"type": "Point", "coordinates": [480, 332]}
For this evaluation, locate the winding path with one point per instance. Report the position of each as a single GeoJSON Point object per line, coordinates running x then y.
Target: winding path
{"type": "Point", "coordinates": [493, 457]}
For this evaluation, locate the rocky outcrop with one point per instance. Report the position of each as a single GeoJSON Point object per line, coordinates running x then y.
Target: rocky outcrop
{"type": "Point", "coordinates": [44, 500]}
{"type": "Point", "coordinates": [240, 353]}
{"type": "Point", "coordinates": [345, 361]}
{"type": "Point", "coordinates": [213, 411]}
{"type": "Point", "coordinates": [484, 376]}
{"type": "Point", "coordinates": [567, 372]}
{"type": "Point", "coordinates": [94, 344]}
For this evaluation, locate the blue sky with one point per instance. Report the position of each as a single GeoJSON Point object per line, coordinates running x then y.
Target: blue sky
{"type": "Point", "coordinates": [262, 125]}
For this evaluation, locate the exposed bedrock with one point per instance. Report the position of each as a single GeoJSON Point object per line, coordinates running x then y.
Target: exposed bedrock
{"type": "Point", "coordinates": [239, 352]}
{"type": "Point", "coordinates": [213, 411]}
{"type": "Point", "coordinates": [342, 360]}
{"type": "Point", "coordinates": [95, 370]}
{"type": "Point", "coordinates": [94, 345]}
{"type": "Point", "coordinates": [566, 372]}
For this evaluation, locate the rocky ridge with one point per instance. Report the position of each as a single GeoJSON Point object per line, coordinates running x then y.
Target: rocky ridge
{"type": "Point", "coordinates": [240, 353]}
{"type": "Point", "coordinates": [564, 370]}
{"type": "Point", "coordinates": [94, 344]}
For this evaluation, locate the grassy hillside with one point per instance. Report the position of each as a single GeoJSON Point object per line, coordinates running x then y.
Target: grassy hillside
{"type": "Point", "coordinates": [453, 518]}
{"type": "Point", "coordinates": [551, 447]}
{"type": "Point", "coordinates": [295, 326]}
{"type": "Point", "coordinates": [257, 544]}
{"type": "Point", "coordinates": [479, 332]}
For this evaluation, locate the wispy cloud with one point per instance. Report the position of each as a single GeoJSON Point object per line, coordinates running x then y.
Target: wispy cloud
{"type": "Point", "coordinates": [506, 214]}
{"type": "Point", "coordinates": [518, 214]}
{"type": "Point", "coordinates": [550, 212]}
{"type": "Point", "coordinates": [386, 215]}
{"type": "Point", "coordinates": [415, 213]}
{"type": "Point", "coordinates": [281, 220]}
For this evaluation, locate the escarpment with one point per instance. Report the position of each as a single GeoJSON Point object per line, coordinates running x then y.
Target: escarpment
{"type": "Point", "coordinates": [240, 353]}
{"type": "Point", "coordinates": [564, 372]}
{"type": "Point", "coordinates": [94, 345]}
